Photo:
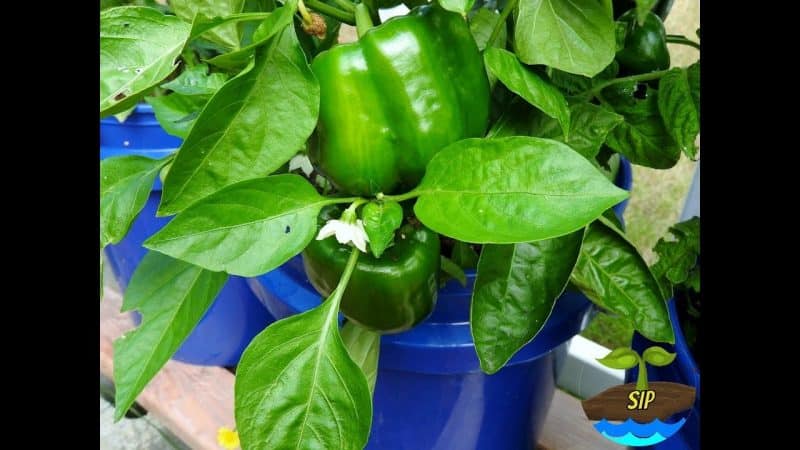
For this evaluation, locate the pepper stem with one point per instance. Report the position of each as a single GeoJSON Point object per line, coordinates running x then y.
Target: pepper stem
{"type": "Point", "coordinates": [336, 296]}
{"type": "Point", "coordinates": [363, 19]}
{"type": "Point", "coordinates": [301, 8]}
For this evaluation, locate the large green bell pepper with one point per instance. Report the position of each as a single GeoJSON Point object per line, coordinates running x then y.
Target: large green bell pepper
{"type": "Point", "coordinates": [645, 45]}
{"type": "Point", "coordinates": [390, 101]}
{"type": "Point", "coordinates": [389, 294]}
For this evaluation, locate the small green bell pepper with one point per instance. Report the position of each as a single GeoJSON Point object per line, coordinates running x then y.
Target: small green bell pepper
{"type": "Point", "coordinates": [645, 46]}
{"type": "Point", "coordinates": [389, 294]}
{"type": "Point", "coordinates": [390, 101]}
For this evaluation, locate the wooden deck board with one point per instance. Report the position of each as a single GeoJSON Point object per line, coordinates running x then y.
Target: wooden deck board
{"type": "Point", "coordinates": [194, 401]}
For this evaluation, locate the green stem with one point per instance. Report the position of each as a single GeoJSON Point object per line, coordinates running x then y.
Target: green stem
{"type": "Point", "coordinates": [363, 19]}
{"type": "Point", "coordinates": [336, 296]}
{"type": "Point", "coordinates": [398, 198]}
{"type": "Point", "coordinates": [345, 5]}
{"type": "Point", "coordinates": [641, 380]}
{"type": "Point", "coordinates": [328, 10]}
{"type": "Point", "coordinates": [337, 200]}
{"type": "Point", "coordinates": [678, 39]}
{"type": "Point", "coordinates": [641, 77]}
{"type": "Point", "coordinates": [609, 6]}
{"type": "Point", "coordinates": [501, 23]}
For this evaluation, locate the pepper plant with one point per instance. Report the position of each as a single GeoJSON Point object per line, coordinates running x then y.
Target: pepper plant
{"type": "Point", "coordinates": [466, 135]}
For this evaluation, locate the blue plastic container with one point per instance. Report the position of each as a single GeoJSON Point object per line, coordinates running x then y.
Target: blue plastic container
{"type": "Point", "coordinates": [236, 315]}
{"type": "Point", "coordinates": [683, 370]}
{"type": "Point", "coordinates": [430, 391]}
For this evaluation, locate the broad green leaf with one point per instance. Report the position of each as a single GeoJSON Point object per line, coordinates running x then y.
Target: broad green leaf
{"type": "Point", "coordinates": [452, 269]}
{"type": "Point", "coordinates": [657, 356]}
{"type": "Point", "coordinates": [612, 273]}
{"type": "Point", "coordinates": [535, 90]}
{"type": "Point", "coordinates": [125, 184]}
{"type": "Point", "coordinates": [642, 137]}
{"type": "Point", "coordinates": [138, 48]}
{"type": "Point", "coordinates": [364, 348]}
{"type": "Point", "coordinates": [272, 25]}
{"type": "Point", "coordinates": [172, 296]}
{"type": "Point", "coordinates": [515, 290]}
{"type": "Point", "coordinates": [620, 358]}
{"type": "Point", "coordinates": [123, 116]}
{"type": "Point", "coordinates": [677, 108]}
{"type": "Point", "coordinates": [576, 36]}
{"type": "Point", "coordinates": [589, 127]}
{"type": "Point", "coordinates": [246, 229]}
{"type": "Point", "coordinates": [516, 120]}
{"type": "Point", "coordinates": [482, 24]}
{"type": "Point", "coordinates": [577, 84]}
{"type": "Point", "coordinates": [693, 73]}
{"type": "Point", "coordinates": [677, 259]}
{"type": "Point", "coordinates": [459, 6]}
{"type": "Point", "coordinates": [642, 8]}
{"type": "Point", "coordinates": [297, 387]}
{"type": "Point", "coordinates": [380, 222]}
{"type": "Point", "coordinates": [464, 255]}
{"type": "Point", "coordinates": [176, 113]}
{"type": "Point", "coordinates": [196, 81]}
{"type": "Point", "coordinates": [226, 35]}
{"type": "Point", "coordinates": [253, 125]}
{"type": "Point", "coordinates": [509, 190]}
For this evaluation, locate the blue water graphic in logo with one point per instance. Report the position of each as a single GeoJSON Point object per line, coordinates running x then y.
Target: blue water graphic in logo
{"type": "Point", "coordinates": [634, 434]}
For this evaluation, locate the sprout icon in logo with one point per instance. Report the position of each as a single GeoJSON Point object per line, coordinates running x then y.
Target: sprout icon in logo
{"type": "Point", "coordinates": [643, 413]}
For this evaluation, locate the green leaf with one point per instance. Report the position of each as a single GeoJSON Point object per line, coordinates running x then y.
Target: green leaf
{"type": "Point", "coordinates": [226, 35]}
{"type": "Point", "coordinates": [509, 190]}
{"type": "Point", "coordinates": [589, 127]}
{"type": "Point", "coordinates": [642, 137]}
{"type": "Point", "coordinates": [381, 219]}
{"type": "Point", "coordinates": [196, 81]}
{"type": "Point", "coordinates": [176, 113]}
{"type": "Point", "coordinates": [620, 358]}
{"type": "Point", "coordinates": [642, 8]}
{"type": "Point", "coordinates": [657, 356]}
{"type": "Point", "coordinates": [515, 290]}
{"type": "Point", "coordinates": [452, 269]}
{"type": "Point", "coordinates": [678, 110]}
{"type": "Point", "coordinates": [246, 229]}
{"type": "Point", "coordinates": [535, 90]}
{"type": "Point", "coordinates": [576, 36]}
{"type": "Point", "coordinates": [253, 125]}
{"type": "Point", "coordinates": [482, 24]}
{"type": "Point", "coordinates": [123, 116]}
{"type": "Point", "coordinates": [677, 258]}
{"type": "Point", "coordinates": [515, 120]}
{"type": "Point", "coordinates": [125, 184]}
{"type": "Point", "coordinates": [459, 6]}
{"type": "Point", "coordinates": [272, 25]}
{"type": "Point", "coordinates": [464, 255]}
{"type": "Point", "coordinates": [138, 48]}
{"type": "Point", "coordinates": [296, 387]}
{"type": "Point", "coordinates": [172, 297]}
{"type": "Point", "coordinates": [693, 74]}
{"type": "Point", "coordinates": [612, 273]}
{"type": "Point", "coordinates": [364, 348]}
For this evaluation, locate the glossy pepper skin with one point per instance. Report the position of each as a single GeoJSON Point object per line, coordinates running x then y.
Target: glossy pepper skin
{"type": "Point", "coordinates": [388, 295]}
{"type": "Point", "coordinates": [390, 101]}
{"type": "Point", "coordinates": [645, 46]}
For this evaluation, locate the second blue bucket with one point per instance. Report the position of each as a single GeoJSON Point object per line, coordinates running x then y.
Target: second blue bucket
{"type": "Point", "coordinates": [430, 392]}
{"type": "Point", "coordinates": [236, 315]}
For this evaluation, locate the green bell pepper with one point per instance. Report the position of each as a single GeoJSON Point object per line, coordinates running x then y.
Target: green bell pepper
{"type": "Point", "coordinates": [645, 46]}
{"type": "Point", "coordinates": [389, 294]}
{"type": "Point", "coordinates": [392, 100]}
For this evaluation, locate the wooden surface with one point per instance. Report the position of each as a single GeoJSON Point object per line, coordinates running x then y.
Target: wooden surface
{"type": "Point", "coordinates": [194, 402]}
{"type": "Point", "coordinates": [611, 404]}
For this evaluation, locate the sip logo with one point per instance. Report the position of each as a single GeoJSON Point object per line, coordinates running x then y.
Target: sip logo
{"type": "Point", "coordinates": [643, 413]}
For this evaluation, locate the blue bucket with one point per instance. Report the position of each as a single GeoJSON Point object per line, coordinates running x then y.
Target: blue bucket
{"type": "Point", "coordinates": [236, 315]}
{"type": "Point", "coordinates": [430, 391]}
{"type": "Point", "coordinates": [683, 370]}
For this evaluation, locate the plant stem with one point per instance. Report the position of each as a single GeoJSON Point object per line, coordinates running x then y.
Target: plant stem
{"type": "Point", "coordinates": [328, 10]}
{"type": "Point", "coordinates": [501, 22]}
{"type": "Point", "coordinates": [336, 200]}
{"type": "Point", "coordinates": [678, 39]}
{"type": "Point", "coordinates": [397, 198]}
{"type": "Point", "coordinates": [641, 77]}
{"type": "Point", "coordinates": [345, 5]}
{"type": "Point", "coordinates": [363, 19]}
{"type": "Point", "coordinates": [641, 380]}
{"type": "Point", "coordinates": [336, 296]}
